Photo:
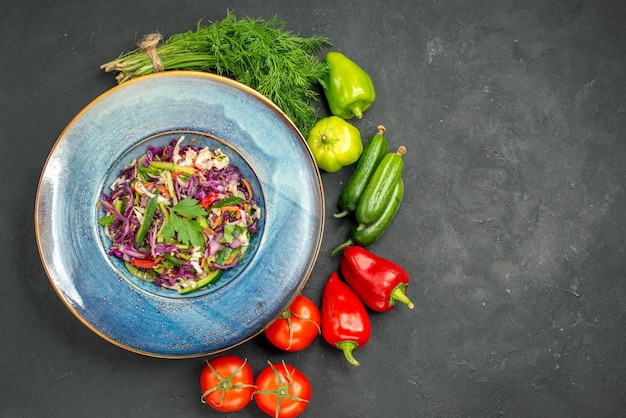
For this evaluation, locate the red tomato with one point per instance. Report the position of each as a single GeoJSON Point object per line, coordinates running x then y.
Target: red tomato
{"type": "Point", "coordinates": [227, 383]}
{"type": "Point", "coordinates": [282, 391]}
{"type": "Point", "coordinates": [296, 328]}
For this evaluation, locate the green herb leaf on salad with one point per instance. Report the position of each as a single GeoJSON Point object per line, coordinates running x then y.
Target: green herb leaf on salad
{"type": "Point", "coordinates": [231, 232]}
{"type": "Point", "coordinates": [230, 200]}
{"type": "Point", "coordinates": [107, 220]}
{"type": "Point", "coordinates": [187, 229]}
{"type": "Point", "coordinates": [189, 208]}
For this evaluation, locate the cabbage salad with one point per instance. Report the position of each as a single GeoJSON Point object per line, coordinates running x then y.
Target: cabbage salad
{"type": "Point", "coordinates": [179, 215]}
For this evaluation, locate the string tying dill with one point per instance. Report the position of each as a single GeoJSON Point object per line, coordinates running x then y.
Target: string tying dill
{"type": "Point", "coordinates": [148, 45]}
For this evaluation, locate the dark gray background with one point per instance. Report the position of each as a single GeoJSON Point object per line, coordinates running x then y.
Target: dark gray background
{"type": "Point", "coordinates": [512, 226]}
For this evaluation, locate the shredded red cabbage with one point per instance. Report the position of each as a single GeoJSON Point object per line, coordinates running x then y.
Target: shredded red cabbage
{"type": "Point", "coordinates": [203, 215]}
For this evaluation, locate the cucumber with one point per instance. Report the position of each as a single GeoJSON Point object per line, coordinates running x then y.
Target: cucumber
{"type": "Point", "coordinates": [365, 235]}
{"type": "Point", "coordinates": [372, 155]}
{"type": "Point", "coordinates": [376, 195]}
{"type": "Point", "coordinates": [202, 283]}
{"type": "Point", "coordinates": [142, 274]}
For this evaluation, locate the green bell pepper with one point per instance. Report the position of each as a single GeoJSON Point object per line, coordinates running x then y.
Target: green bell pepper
{"type": "Point", "coordinates": [348, 88]}
{"type": "Point", "coordinates": [334, 143]}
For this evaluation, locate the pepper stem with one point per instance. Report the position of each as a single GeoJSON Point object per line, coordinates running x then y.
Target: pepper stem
{"type": "Point", "coordinates": [398, 295]}
{"type": "Point", "coordinates": [347, 347]}
{"type": "Point", "coordinates": [341, 214]}
{"type": "Point", "coordinates": [341, 247]}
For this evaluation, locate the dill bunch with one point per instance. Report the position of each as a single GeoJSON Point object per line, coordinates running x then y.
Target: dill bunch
{"type": "Point", "coordinates": [263, 55]}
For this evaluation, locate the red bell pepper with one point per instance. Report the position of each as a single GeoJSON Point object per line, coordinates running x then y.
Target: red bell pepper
{"type": "Point", "coordinates": [146, 263]}
{"type": "Point", "coordinates": [345, 321]}
{"type": "Point", "coordinates": [379, 283]}
{"type": "Point", "coordinates": [209, 200]}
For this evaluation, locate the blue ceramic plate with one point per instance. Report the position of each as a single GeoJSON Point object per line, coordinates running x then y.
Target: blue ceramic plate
{"type": "Point", "coordinates": [116, 128]}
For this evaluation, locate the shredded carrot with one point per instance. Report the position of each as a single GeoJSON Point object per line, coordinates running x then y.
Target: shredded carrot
{"type": "Point", "coordinates": [229, 208]}
{"type": "Point", "coordinates": [245, 183]}
{"type": "Point", "coordinates": [161, 188]}
{"type": "Point", "coordinates": [176, 174]}
{"type": "Point", "coordinates": [234, 209]}
{"type": "Point", "coordinates": [216, 222]}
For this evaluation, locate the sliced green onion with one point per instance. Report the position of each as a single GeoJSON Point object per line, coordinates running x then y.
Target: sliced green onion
{"type": "Point", "coordinates": [147, 219]}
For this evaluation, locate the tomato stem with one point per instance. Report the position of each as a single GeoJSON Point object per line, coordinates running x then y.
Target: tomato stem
{"type": "Point", "coordinates": [287, 314]}
{"type": "Point", "coordinates": [225, 383]}
{"type": "Point", "coordinates": [319, 329]}
{"type": "Point", "coordinates": [282, 391]}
